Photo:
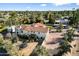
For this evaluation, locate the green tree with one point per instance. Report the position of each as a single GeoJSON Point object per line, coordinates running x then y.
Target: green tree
{"type": "Point", "coordinates": [40, 51]}
{"type": "Point", "coordinates": [12, 49]}
{"type": "Point", "coordinates": [8, 47]}
{"type": "Point", "coordinates": [74, 20]}
{"type": "Point", "coordinates": [77, 17]}
{"type": "Point", "coordinates": [65, 44]}
{"type": "Point", "coordinates": [12, 18]}
{"type": "Point", "coordinates": [39, 18]}
{"type": "Point", "coordinates": [33, 18]}
{"type": "Point", "coordinates": [60, 28]}
{"type": "Point", "coordinates": [51, 18]}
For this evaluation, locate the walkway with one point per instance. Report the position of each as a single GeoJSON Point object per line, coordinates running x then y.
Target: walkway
{"type": "Point", "coordinates": [29, 49]}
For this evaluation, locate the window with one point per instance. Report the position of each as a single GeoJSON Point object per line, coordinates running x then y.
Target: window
{"type": "Point", "coordinates": [38, 32]}
{"type": "Point", "coordinates": [41, 38]}
{"type": "Point", "coordinates": [21, 31]}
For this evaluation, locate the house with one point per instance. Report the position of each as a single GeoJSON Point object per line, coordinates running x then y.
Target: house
{"type": "Point", "coordinates": [64, 23]}
{"type": "Point", "coordinates": [39, 29]}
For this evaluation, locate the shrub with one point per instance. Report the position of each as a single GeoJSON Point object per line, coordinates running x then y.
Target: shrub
{"type": "Point", "coordinates": [40, 51]}
{"type": "Point", "coordinates": [8, 47]}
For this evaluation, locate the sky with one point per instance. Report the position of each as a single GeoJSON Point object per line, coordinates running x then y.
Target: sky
{"type": "Point", "coordinates": [37, 6]}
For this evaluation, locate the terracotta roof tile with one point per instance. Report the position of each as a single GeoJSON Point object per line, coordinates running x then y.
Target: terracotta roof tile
{"type": "Point", "coordinates": [34, 28]}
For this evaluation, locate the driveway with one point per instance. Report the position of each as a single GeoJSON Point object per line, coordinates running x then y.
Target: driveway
{"type": "Point", "coordinates": [52, 41]}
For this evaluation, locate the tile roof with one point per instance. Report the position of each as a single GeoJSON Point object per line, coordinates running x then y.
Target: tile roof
{"type": "Point", "coordinates": [38, 25]}
{"type": "Point", "coordinates": [34, 28]}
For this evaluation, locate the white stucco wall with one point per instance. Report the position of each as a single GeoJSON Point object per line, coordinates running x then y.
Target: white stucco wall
{"type": "Point", "coordinates": [46, 37]}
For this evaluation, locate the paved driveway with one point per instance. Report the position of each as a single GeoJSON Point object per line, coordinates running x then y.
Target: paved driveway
{"type": "Point", "coordinates": [53, 40]}
{"type": "Point", "coordinates": [52, 43]}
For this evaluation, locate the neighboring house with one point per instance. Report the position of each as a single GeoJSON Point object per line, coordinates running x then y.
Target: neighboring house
{"type": "Point", "coordinates": [46, 21]}
{"type": "Point", "coordinates": [37, 28]}
{"type": "Point", "coordinates": [64, 23]}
